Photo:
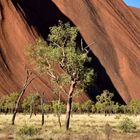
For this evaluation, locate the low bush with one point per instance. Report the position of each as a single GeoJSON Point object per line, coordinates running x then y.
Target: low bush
{"type": "Point", "coordinates": [28, 131]}
{"type": "Point", "coordinates": [48, 108]}
{"type": "Point", "coordinates": [75, 107]}
{"type": "Point", "coordinates": [58, 107]}
{"type": "Point", "coordinates": [87, 106]}
{"type": "Point", "coordinates": [127, 125]}
{"type": "Point", "coordinates": [31, 103]}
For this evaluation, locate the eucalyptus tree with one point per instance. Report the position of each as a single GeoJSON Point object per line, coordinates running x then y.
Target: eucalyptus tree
{"type": "Point", "coordinates": [63, 52]}
{"type": "Point", "coordinates": [104, 102]}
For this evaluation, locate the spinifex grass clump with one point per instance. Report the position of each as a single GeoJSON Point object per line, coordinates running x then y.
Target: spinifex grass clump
{"type": "Point", "coordinates": [127, 125]}
{"type": "Point", "coordinates": [28, 131]}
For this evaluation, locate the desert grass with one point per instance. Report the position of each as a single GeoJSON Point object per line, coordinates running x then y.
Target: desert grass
{"type": "Point", "coordinates": [82, 127]}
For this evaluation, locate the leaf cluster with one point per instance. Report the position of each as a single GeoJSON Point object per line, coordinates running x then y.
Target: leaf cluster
{"type": "Point", "coordinates": [134, 107]}
{"type": "Point", "coordinates": [33, 99]}
{"type": "Point", "coordinates": [9, 101]}
{"type": "Point", "coordinates": [104, 101]}
{"type": "Point", "coordinates": [58, 107]}
{"type": "Point", "coordinates": [63, 51]}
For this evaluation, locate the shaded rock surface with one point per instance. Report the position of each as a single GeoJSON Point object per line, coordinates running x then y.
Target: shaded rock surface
{"type": "Point", "coordinates": [115, 29]}
{"type": "Point", "coordinates": [15, 35]}
{"type": "Point", "coordinates": [113, 26]}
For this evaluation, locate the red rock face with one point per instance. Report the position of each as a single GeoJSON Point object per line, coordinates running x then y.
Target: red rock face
{"type": "Point", "coordinates": [14, 35]}
{"type": "Point", "coordinates": [114, 27]}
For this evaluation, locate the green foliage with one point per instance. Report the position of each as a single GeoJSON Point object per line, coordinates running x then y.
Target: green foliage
{"type": "Point", "coordinates": [99, 107]}
{"type": "Point", "coordinates": [28, 131]}
{"type": "Point", "coordinates": [87, 106]}
{"type": "Point", "coordinates": [123, 109]}
{"type": "Point", "coordinates": [31, 101]}
{"type": "Point", "coordinates": [106, 97]}
{"type": "Point", "coordinates": [64, 79]}
{"type": "Point", "coordinates": [63, 35]}
{"type": "Point", "coordinates": [11, 100]}
{"type": "Point", "coordinates": [37, 53]}
{"type": "Point", "coordinates": [63, 50]}
{"type": "Point", "coordinates": [75, 107]}
{"type": "Point", "coordinates": [127, 125]}
{"type": "Point", "coordinates": [48, 108]}
{"type": "Point", "coordinates": [2, 102]}
{"type": "Point", "coordinates": [58, 107]}
{"type": "Point", "coordinates": [104, 102]}
{"type": "Point", "coordinates": [134, 107]}
{"type": "Point", "coordinates": [115, 107]}
{"type": "Point", "coordinates": [8, 102]}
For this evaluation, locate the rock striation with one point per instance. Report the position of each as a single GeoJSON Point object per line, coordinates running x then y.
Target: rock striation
{"type": "Point", "coordinates": [110, 27]}
{"type": "Point", "coordinates": [115, 29]}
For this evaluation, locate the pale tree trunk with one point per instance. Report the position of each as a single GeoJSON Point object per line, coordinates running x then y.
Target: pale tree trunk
{"type": "Point", "coordinates": [26, 84]}
{"type": "Point", "coordinates": [69, 103]}
{"type": "Point", "coordinates": [59, 113]}
{"type": "Point", "coordinates": [59, 120]}
{"type": "Point", "coordinates": [31, 111]}
{"type": "Point", "coordinates": [31, 107]}
{"type": "Point", "coordinates": [42, 108]}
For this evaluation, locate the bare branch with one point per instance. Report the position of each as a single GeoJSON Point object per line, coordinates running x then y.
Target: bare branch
{"type": "Point", "coordinates": [82, 47]}
{"type": "Point", "coordinates": [88, 46]}
{"type": "Point", "coordinates": [62, 88]}
{"type": "Point", "coordinates": [27, 82]}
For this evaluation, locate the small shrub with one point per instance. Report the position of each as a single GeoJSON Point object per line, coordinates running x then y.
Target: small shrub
{"type": "Point", "coordinates": [87, 106]}
{"type": "Point", "coordinates": [134, 107]}
{"type": "Point", "coordinates": [75, 107]}
{"type": "Point", "coordinates": [58, 107]}
{"type": "Point", "coordinates": [127, 125]}
{"type": "Point", "coordinates": [123, 109]}
{"type": "Point", "coordinates": [28, 130]}
{"type": "Point", "coordinates": [31, 103]}
{"type": "Point", "coordinates": [7, 103]}
{"type": "Point", "coordinates": [48, 108]}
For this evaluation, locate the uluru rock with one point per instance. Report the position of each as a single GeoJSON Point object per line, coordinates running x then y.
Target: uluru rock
{"type": "Point", "coordinates": [15, 36]}
{"type": "Point", "coordinates": [111, 25]}
{"type": "Point", "coordinates": [115, 29]}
